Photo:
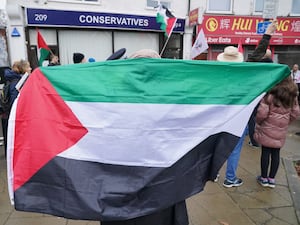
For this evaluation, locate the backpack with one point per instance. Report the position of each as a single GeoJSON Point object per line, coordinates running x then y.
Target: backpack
{"type": "Point", "coordinates": [5, 101]}
{"type": "Point", "coordinates": [5, 98]}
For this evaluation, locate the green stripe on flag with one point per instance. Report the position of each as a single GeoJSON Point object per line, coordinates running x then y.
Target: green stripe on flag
{"type": "Point", "coordinates": [165, 81]}
{"type": "Point", "coordinates": [161, 20]}
{"type": "Point", "coordinates": [43, 55]}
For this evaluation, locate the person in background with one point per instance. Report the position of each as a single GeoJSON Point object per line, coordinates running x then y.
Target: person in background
{"type": "Point", "coordinates": [276, 111]}
{"type": "Point", "coordinates": [54, 61]}
{"type": "Point", "coordinates": [267, 58]}
{"type": "Point", "coordinates": [260, 54]}
{"type": "Point", "coordinates": [12, 76]}
{"type": "Point", "coordinates": [295, 73]}
{"type": "Point", "coordinates": [173, 215]}
{"type": "Point", "coordinates": [231, 54]}
{"type": "Point", "coordinates": [78, 58]}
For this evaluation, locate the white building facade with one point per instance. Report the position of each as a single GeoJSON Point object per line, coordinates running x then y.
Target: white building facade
{"type": "Point", "coordinates": [96, 28]}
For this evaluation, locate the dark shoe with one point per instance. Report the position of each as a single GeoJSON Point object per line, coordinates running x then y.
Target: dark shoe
{"type": "Point", "coordinates": [252, 145]}
{"type": "Point", "coordinates": [271, 183]}
{"type": "Point", "coordinates": [236, 183]}
{"type": "Point", "coordinates": [263, 181]}
{"type": "Point", "coordinates": [217, 178]}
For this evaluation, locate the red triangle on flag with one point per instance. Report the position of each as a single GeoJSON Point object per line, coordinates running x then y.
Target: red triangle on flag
{"type": "Point", "coordinates": [44, 127]}
{"type": "Point", "coordinates": [41, 43]}
{"type": "Point", "coordinates": [170, 25]}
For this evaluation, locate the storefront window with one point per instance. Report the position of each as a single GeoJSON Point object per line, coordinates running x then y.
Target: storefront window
{"type": "Point", "coordinates": [295, 7]}
{"type": "Point", "coordinates": [258, 6]}
{"type": "Point", "coordinates": [288, 55]}
{"type": "Point", "coordinates": [217, 6]}
{"type": "Point", "coordinates": [173, 48]}
{"type": "Point", "coordinates": [141, 40]}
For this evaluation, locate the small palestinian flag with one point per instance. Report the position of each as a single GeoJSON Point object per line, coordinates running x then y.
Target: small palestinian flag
{"type": "Point", "coordinates": [166, 19]}
{"type": "Point", "coordinates": [120, 139]}
{"type": "Point", "coordinates": [43, 47]}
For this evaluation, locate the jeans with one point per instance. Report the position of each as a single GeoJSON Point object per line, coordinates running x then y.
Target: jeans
{"type": "Point", "coordinates": [234, 157]}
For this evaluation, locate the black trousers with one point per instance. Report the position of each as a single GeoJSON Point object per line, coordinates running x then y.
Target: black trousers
{"type": "Point", "coordinates": [174, 215]}
{"type": "Point", "coordinates": [268, 154]}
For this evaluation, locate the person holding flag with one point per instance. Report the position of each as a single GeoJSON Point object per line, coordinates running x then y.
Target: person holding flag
{"type": "Point", "coordinates": [233, 54]}
{"type": "Point", "coordinates": [175, 214]}
{"type": "Point", "coordinates": [133, 142]}
{"type": "Point", "coordinates": [257, 56]}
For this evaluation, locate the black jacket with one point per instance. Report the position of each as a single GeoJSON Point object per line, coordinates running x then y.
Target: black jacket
{"type": "Point", "coordinates": [260, 50]}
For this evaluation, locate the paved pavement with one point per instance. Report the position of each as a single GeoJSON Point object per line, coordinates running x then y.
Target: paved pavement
{"type": "Point", "coordinates": [249, 204]}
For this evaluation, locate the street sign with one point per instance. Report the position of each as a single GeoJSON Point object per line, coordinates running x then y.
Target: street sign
{"type": "Point", "coordinates": [270, 9]}
{"type": "Point", "coordinates": [262, 27]}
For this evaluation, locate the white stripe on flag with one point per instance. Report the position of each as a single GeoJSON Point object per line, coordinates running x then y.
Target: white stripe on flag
{"type": "Point", "coordinates": [154, 135]}
{"type": "Point", "coordinates": [10, 150]}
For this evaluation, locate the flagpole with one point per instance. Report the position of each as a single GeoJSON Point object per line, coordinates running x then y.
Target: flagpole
{"type": "Point", "coordinates": [166, 28]}
{"type": "Point", "coordinates": [165, 45]}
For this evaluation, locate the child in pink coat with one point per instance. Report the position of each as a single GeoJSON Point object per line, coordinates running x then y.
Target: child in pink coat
{"type": "Point", "coordinates": [276, 111]}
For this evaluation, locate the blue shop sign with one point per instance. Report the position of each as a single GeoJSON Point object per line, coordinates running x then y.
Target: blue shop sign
{"type": "Point", "coordinates": [46, 17]}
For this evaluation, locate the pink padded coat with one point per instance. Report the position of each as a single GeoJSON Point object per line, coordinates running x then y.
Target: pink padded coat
{"type": "Point", "coordinates": [272, 122]}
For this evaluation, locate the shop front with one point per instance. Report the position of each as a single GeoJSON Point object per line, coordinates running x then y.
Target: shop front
{"type": "Point", "coordinates": [223, 30]}
{"type": "Point", "coordinates": [98, 35]}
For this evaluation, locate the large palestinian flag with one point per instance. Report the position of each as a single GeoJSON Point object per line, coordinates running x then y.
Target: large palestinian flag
{"type": "Point", "coordinates": [120, 139]}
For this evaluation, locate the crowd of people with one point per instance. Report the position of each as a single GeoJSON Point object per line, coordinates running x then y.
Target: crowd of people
{"type": "Point", "coordinates": [267, 127]}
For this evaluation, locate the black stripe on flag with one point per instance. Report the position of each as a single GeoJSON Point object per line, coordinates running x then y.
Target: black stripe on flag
{"type": "Point", "coordinates": [94, 191]}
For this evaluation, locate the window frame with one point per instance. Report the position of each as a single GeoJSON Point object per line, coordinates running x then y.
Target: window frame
{"type": "Point", "coordinates": [220, 12]}
{"type": "Point", "coordinates": [168, 5]}
{"type": "Point", "coordinates": [294, 14]}
{"type": "Point", "coordinates": [258, 12]}
{"type": "Point", "coordinates": [96, 2]}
